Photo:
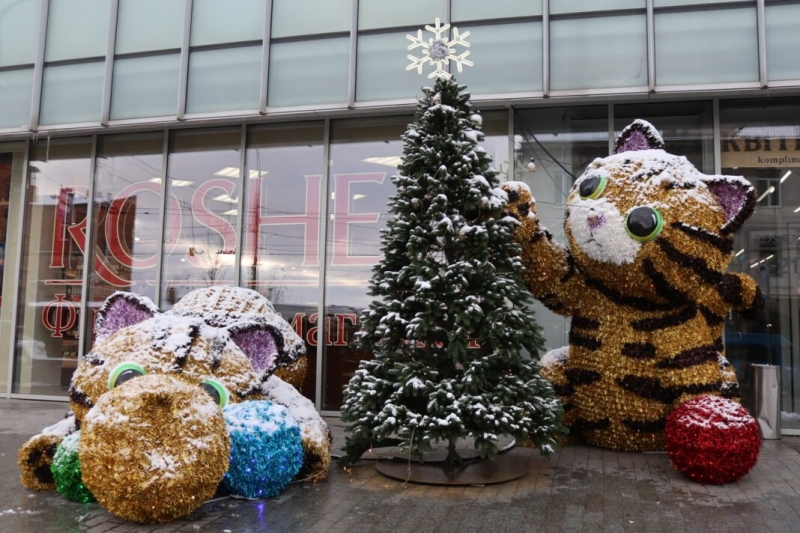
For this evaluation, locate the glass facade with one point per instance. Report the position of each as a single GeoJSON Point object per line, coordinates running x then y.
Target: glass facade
{"type": "Point", "coordinates": [172, 60]}
{"type": "Point", "coordinates": [255, 147]}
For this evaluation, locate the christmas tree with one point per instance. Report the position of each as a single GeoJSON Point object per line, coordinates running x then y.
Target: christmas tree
{"type": "Point", "coordinates": [450, 278]}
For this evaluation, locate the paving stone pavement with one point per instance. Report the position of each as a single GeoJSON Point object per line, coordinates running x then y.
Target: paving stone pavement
{"type": "Point", "coordinates": [580, 489]}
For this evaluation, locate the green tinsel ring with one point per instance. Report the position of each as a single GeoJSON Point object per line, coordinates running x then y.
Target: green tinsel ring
{"type": "Point", "coordinates": [66, 470]}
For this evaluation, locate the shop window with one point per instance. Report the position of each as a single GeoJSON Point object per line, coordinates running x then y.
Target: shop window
{"type": "Point", "coordinates": [203, 188]}
{"type": "Point", "coordinates": [48, 334]}
{"type": "Point", "coordinates": [127, 209]}
{"type": "Point", "coordinates": [687, 128]}
{"type": "Point", "coordinates": [364, 155]}
{"type": "Point", "coordinates": [562, 141]}
{"type": "Point", "coordinates": [284, 189]}
{"type": "Point", "coordinates": [768, 192]}
{"type": "Point", "coordinates": [759, 141]}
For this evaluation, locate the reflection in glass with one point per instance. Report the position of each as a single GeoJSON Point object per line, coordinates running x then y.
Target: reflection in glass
{"type": "Point", "coordinates": [364, 155]}
{"type": "Point", "coordinates": [495, 131]}
{"type": "Point", "coordinates": [200, 226]}
{"type": "Point", "coordinates": [46, 349]}
{"type": "Point", "coordinates": [280, 257]}
{"type": "Point", "coordinates": [12, 167]}
{"type": "Point", "coordinates": [570, 137]}
{"type": "Point", "coordinates": [687, 128]}
{"type": "Point", "coordinates": [127, 217]}
{"type": "Point", "coordinates": [759, 140]}
{"type": "Point", "coordinates": [697, 47]}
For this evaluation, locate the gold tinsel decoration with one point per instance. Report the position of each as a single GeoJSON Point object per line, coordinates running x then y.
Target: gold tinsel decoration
{"type": "Point", "coordinates": [647, 326]}
{"type": "Point", "coordinates": [35, 458]}
{"type": "Point", "coordinates": [154, 449]}
{"type": "Point", "coordinates": [294, 373]}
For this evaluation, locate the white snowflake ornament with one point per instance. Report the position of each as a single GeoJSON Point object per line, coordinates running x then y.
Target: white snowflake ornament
{"type": "Point", "coordinates": [439, 50]}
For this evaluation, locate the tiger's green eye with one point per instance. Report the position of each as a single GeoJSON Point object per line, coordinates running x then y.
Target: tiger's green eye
{"type": "Point", "coordinates": [124, 372]}
{"type": "Point", "coordinates": [217, 391]}
{"type": "Point", "coordinates": [644, 223]}
{"type": "Point", "coordinates": [592, 187]}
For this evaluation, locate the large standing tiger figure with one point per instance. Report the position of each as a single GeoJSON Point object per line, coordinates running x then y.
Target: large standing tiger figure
{"type": "Point", "coordinates": [644, 279]}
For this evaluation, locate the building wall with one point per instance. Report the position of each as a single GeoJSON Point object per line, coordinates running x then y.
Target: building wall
{"type": "Point", "coordinates": [180, 143]}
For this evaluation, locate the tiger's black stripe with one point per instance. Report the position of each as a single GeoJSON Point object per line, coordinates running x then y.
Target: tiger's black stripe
{"type": "Point", "coordinates": [723, 244]}
{"type": "Point", "coordinates": [585, 323]}
{"type": "Point", "coordinates": [79, 397]}
{"type": "Point", "coordinates": [641, 304]}
{"type": "Point", "coordinates": [571, 269]}
{"type": "Point", "coordinates": [695, 264]}
{"type": "Point", "coordinates": [730, 288]}
{"type": "Point", "coordinates": [564, 390]}
{"type": "Point", "coordinates": [584, 341]}
{"type": "Point", "coordinates": [646, 426]}
{"type": "Point", "coordinates": [668, 321]}
{"type": "Point", "coordinates": [651, 388]}
{"type": "Point", "coordinates": [663, 287]}
{"type": "Point", "coordinates": [730, 390]}
{"type": "Point", "coordinates": [691, 357]}
{"type": "Point", "coordinates": [580, 376]}
{"type": "Point", "coordinates": [712, 319]}
{"type": "Point", "coordinates": [639, 350]}
{"type": "Point", "coordinates": [587, 425]}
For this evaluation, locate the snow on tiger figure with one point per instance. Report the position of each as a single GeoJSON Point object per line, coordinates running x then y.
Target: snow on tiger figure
{"type": "Point", "coordinates": [170, 407]}
{"type": "Point", "coordinates": [643, 278]}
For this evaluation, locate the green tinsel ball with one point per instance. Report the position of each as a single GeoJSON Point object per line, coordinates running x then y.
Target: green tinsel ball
{"type": "Point", "coordinates": [66, 470]}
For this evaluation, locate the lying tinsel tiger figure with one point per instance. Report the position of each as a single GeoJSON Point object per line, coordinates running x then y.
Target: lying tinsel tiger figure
{"type": "Point", "coordinates": [643, 278]}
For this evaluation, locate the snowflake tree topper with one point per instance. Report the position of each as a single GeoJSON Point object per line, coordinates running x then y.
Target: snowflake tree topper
{"type": "Point", "coordinates": [439, 50]}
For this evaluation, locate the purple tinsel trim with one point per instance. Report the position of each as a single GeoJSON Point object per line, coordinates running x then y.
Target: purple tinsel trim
{"type": "Point", "coordinates": [120, 311]}
{"type": "Point", "coordinates": [639, 135]}
{"type": "Point", "coordinates": [259, 346]}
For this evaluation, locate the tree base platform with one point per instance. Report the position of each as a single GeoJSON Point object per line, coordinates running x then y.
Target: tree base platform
{"type": "Point", "coordinates": [483, 472]}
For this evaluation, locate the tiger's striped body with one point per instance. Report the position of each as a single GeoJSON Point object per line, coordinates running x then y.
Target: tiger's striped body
{"type": "Point", "coordinates": [647, 316]}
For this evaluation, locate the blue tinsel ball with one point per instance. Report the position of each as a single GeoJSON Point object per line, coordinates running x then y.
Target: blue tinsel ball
{"type": "Point", "coordinates": [266, 449]}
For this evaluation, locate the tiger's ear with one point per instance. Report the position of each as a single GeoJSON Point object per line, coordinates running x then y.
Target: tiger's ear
{"type": "Point", "coordinates": [737, 198]}
{"type": "Point", "coordinates": [120, 310]}
{"type": "Point", "coordinates": [639, 135]}
{"type": "Point", "coordinates": [260, 342]}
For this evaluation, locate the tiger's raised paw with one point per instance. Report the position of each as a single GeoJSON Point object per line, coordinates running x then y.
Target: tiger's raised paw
{"type": "Point", "coordinates": [522, 206]}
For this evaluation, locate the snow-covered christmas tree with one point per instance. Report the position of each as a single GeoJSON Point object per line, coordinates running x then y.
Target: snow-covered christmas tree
{"type": "Point", "coordinates": [450, 279]}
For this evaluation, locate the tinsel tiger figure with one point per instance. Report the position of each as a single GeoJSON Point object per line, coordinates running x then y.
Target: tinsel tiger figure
{"type": "Point", "coordinates": [643, 278]}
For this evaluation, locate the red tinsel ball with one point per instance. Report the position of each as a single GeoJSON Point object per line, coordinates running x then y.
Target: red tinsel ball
{"type": "Point", "coordinates": [712, 440]}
